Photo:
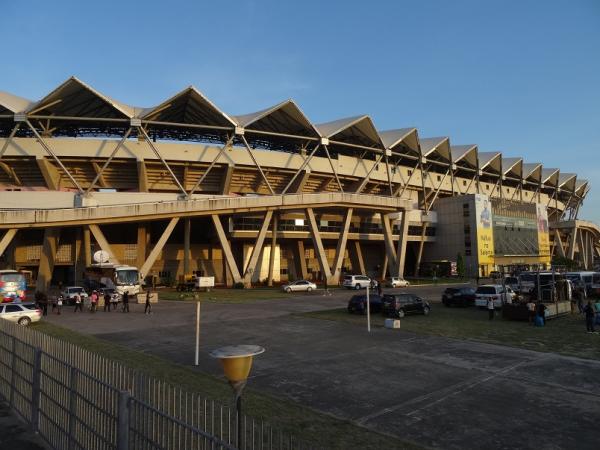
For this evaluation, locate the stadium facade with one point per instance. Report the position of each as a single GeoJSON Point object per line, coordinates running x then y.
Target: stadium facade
{"type": "Point", "coordinates": [269, 196]}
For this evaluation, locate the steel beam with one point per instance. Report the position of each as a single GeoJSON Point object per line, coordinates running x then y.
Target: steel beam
{"type": "Point", "coordinates": [388, 241]}
{"type": "Point", "coordinates": [7, 239]}
{"type": "Point", "coordinates": [302, 167]}
{"type": "Point", "coordinates": [257, 164]}
{"type": "Point", "coordinates": [318, 244]}
{"type": "Point", "coordinates": [258, 246]}
{"type": "Point", "coordinates": [226, 248]}
{"type": "Point", "coordinates": [212, 164]}
{"type": "Point", "coordinates": [402, 240]}
{"type": "Point", "coordinates": [341, 247]}
{"type": "Point", "coordinates": [420, 251]}
{"type": "Point", "coordinates": [107, 162]}
{"type": "Point", "coordinates": [333, 169]}
{"type": "Point", "coordinates": [158, 247]}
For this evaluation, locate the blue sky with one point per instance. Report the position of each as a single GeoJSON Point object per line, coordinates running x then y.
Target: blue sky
{"type": "Point", "coordinates": [521, 77]}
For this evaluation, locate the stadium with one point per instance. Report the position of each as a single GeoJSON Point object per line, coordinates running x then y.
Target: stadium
{"type": "Point", "coordinates": [183, 187]}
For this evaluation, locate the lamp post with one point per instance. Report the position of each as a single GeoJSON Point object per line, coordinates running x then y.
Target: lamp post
{"type": "Point", "coordinates": [237, 362]}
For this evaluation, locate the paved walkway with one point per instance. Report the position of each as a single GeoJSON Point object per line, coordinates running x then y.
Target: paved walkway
{"type": "Point", "coordinates": [14, 434]}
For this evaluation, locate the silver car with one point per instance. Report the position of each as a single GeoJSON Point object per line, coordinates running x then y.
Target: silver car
{"type": "Point", "coordinates": [21, 313]}
{"type": "Point", "coordinates": [299, 286]}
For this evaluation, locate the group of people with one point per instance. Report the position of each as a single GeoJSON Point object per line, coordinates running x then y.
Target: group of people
{"type": "Point", "coordinates": [110, 302]}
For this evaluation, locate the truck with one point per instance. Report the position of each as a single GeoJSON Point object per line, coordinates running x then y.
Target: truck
{"type": "Point", "coordinates": [119, 277]}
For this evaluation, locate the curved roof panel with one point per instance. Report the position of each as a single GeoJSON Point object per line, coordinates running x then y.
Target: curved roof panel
{"type": "Point", "coordinates": [284, 118]}
{"type": "Point", "coordinates": [532, 172]}
{"type": "Point", "coordinates": [12, 104]}
{"type": "Point", "coordinates": [550, 176]}
{"type": "Point", "coordinates": [74, 98]}
{"type": "Point", "coordinates": [436, 148]}
{"type": "Point", "coordinates": [491, 160]}
{"type": "Point", "coordinates": [512, 166]}
{"type": "Point", "coordinates": [188, 107]}
{"type": "Point", "coordinates": [358, 131]}
{"type": "Point", "coordinates": [464, 153]}
{"type": "Point", "coordinates": [406, 138]}
{"type": "Point", "coordinates": [567, 181]}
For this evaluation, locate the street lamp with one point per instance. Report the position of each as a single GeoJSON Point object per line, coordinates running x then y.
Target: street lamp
{"type": "Point", "coordinates": [237, 362]}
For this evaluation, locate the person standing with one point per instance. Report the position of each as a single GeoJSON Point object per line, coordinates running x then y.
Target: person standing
{"type": "Point", "coordinates": [126, 301]}
{"type": "Point", "coordinates": [59, 303]}
{"type": "Point", "coordinates": [590, 315]}
{"type": "Point", "coordinates": [531, 311]}
{"type": "Point", "coordinates": [379, 289]}
{"type": "Point", "coordinates": [491, 308]}
{"type": "Point", "coordinates": [94, 302]}
{"type": "Point", "coordinates": [541, 312]}
{"type": "Point", "coordinates": [114, 299]}
{"type": "Point", "coordinates": [78, 304]}
{"type": "Point", "coordinates": [148, 307]}
{"type": "Point", "coordinates": [107, 299]}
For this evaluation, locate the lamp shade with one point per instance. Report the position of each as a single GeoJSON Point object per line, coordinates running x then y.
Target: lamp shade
{"type": "Point", "coordinates": [237, 360]}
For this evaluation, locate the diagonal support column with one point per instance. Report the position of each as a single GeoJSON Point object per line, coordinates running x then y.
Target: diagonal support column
{"type": "Point", "coordinates": [158, 247]}
{"type": "Point", "coordinates": [47, 259]}
{"type": "Point", "coordinates": [356, 258]}
{"type": "Point", "coordinates": [337, 179]}
{"type": "Point", "coordinates": [367, 177]}
{"type": "Point", "coordinates": [572, 242]}
{"type": "Point", "coordinates": [341, 247]}
{"type": "Point", "coordinates": [420, 251]}
{"type": "Point", "coordinates": [212, 164]}
{"type": "Point", "coordinates": [7, 239]}
{"type": "Point", "coordinates": [318, 243]}
{"type": "Point", "coordinates": [258, 246]}
{"type": "Point", "coordinates": [302, 167]}
{"type": "Point", "coordinates": [272, 252]}
{"type": "Point", "coordinates": [559, 244]}
{"type": "Point", "coordinates": [103, 243]}
{"type": "Point", "coordinates": [301, 260]}
{"type": "Point", "coordinates": [262, 173]}
{"type": "Point", "coordinates": [227, 253]}
{"type": "Point", "coordinates": [402, 239]}
{"type": "Point", "coordinates": [110, 158]}
{"type": "Point", "coordinates": [10, 138]}
{"type": "Point", "coordinates": [159, 156]}
{"type": "Point", "coordinates": [51, 153]}
{"type": "Point", "coordinates": [388, 241]}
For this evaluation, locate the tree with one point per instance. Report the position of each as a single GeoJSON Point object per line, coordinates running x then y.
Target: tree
{"type": "Point", "coordinates": [460, 265]}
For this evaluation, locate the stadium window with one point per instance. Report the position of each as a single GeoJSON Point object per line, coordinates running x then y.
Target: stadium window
{"type": "Point", "coordinates": [464, 182]}
{"type": "Point", "coordinates": [439, 178]}
{"type": "Point", "coordinates": [409, 172]}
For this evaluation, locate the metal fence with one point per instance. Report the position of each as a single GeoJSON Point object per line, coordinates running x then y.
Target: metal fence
{"type": "Point", "coordinates": [76, 399]}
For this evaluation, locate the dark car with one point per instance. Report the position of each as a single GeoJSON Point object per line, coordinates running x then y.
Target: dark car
{"type": "Point", "coordinates": [358, 304]}
{"type": "Point", "coordinates": [464, 296]}
{"type": "Point", "coordinates": [398, 305]}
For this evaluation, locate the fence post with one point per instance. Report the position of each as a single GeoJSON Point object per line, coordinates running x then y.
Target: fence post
{"type": "Point", "coordinates": [72, 406]}
{"type": "Point", "coordinates": [123, 421]}
{"type": "Point", "coordinates": [36, 389]}
{"type": "Point", "coordinates": [13, 368]}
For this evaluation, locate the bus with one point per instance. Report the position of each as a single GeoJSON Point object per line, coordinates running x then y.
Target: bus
{"type": "Point", "coordinates": [12, 286]}
{"type": "Point", "coordinates": [582, 278]}
{"type": "Point", "coordinates": [121, 278]}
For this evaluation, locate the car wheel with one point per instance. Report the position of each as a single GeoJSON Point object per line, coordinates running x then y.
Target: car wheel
{"type": "Point", "coordinates": [24, 321]}
{"type": "Point", "coordinates": [401, 313]}
{"type": "Point", "coordinates": [309, 289]}
{"type": "Point", "coordinates": [426, 311]}
{"type": "Point", "coordinates": [288, 290]}
{"type": "Point", "coordinates": [357, 287]}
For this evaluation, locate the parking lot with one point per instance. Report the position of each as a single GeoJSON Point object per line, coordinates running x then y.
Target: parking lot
{"type": "Point", "coordinates": [434, 391]}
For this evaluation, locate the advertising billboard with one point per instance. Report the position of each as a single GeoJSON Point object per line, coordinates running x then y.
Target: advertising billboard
{"type": "Point", "coordinates": [485, 234]}
{"type": "Point", "coordinates": [543, 231]}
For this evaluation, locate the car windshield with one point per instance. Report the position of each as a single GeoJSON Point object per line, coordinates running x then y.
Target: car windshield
{"type": "Point", "coordinates": [127, 277]}
{"type": "Point", "coordinates": [30, 307]}
{"type": "Point", "coordinates": [486, 290]}
{"type": "Point", "coordinates": [347, 278]}
{"type": "Point", "coordinates": [12, 277]}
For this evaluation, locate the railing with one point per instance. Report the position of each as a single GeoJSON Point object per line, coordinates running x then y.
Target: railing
{"type": "Point", "coordinates": [75, 399]}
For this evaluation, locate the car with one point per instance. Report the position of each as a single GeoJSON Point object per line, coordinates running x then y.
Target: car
{"type": "Point", "coordinates": [399, 305]}
{"type": "Point", "coordinates": [21, 313]}
{"type": "Point", "coordinates": [495, 292]}
{"type": "Point", "coordinates": [398, 282]}
{"type": "Point", "coordinates": [495, 275]}
{"type": "Point", "coordinates": [358, 304]}
{"type": "Point", "coordinates": [110, 291]}
{"type": "Point", "coordinates": [512, 282]}
{"type": "Point", "coordinates": [70, 291]}
{"type": "Point", "coordinates": [356, 282]}
{"type": "Point", "coordinates": [458, 296]}
{"type": "Point", "coordinates": [299, 286]}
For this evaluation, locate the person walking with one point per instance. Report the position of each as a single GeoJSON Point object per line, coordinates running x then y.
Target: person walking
{"type": "Point", "coordinates": [541, 312]}
{"type": "Point", "coordinates": [107, 299]}
{"type": "Point", "coordinates": [531, 311]}
{"type": "Point", "coordinates": [59, 303]}
{"type": "Point", "coordinates": [491, 308]}
{"type": "Point", "coordinates": [590, 315]}
{"type": "Point", "coordinates": [126, 301]}
{"type": "Point", "coordinates": [148, 307]}
{"type": "Point", "coordinates": [94, 302]}
{"type": "Point", "coordinates": [114, 299]}
{"type": "Point", "coordinates": [78, 305]}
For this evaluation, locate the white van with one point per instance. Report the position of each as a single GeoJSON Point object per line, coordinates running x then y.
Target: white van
{"type": "Point", "coordinates": [585, 278]}
{"type": "Point", "coordinates": [356, 281]}
{"type": "Point", "coordinates": [496, 292]}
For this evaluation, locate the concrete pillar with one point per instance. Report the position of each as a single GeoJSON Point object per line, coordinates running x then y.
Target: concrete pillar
{"type": "Point", "coordinates": [187, 229]}
{"type": "Point", "coordinates": [8, 237]}
{"type": "Point", "coordinates": [301, 260]}
{"type": "Point", "coordinates": [388, 241]}
{"type": "Point", "coordinates": [402, 239]}
{"type": "Point", "coordinates": [143, 241]}
{"type": "Point", "coordinates": [272, 254]}
{"type": "Point", "coordinates": [356, 258]}
{"type": "Point", "coordinates": [420, 251]}
{"type": "Point", "coordinates": [341, 248]}
{"type": "Point", "coordinates": [87, 246]}
{"type": "Point", "coordinates": [318, 245]}
{"type": "Point", "coordinates": [257, 250]}
{"type": "Point", "coordinates": [384, 267]}
{"type": "Point", "coordinates": [47, 258]}
{"type": "Point", "coordinates": [226, 247]}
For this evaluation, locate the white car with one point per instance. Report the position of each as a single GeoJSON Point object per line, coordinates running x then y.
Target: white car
{"type": "Point", "coordinates": [70, 291]}
{"type": "Point", "coordinates": [21, 313]}
{"type": "Point", "coordinates": [356, 282]}
{"type": "Point", "coordinates": [496, 292]}
{"type": "Point", "coordinates": [398, 282]}
{"type": "Point", "coordinates": [299, 286]}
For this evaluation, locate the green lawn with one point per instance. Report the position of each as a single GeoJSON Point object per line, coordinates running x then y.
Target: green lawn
{"type": "Point", "coordinates": [319, 429]}
{"type": "Point", "coordinates": [564, 335]}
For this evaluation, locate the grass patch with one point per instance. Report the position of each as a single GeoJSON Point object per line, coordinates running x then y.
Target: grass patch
{"type": "Point", "coordinates": [564, 335]}
{"type": "Point", "coordinates": [304, 423]}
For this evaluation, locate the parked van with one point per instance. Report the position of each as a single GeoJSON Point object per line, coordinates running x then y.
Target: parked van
{"type": "Point", "coordinates": [356, 281]}
{"type": "Point", "coordinates": [585, 278]}
{"type": "Point", "coordinates": [496, 292]}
